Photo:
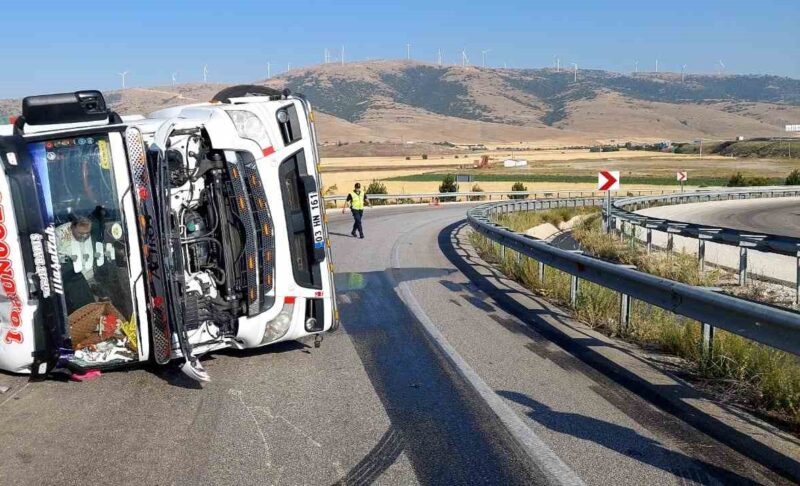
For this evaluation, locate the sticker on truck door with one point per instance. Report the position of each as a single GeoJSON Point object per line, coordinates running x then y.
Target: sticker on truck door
{"type": "Point", "coordinates": [316, 220]}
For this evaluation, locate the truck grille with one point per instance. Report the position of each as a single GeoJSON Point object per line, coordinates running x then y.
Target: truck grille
{"type": "Point", "coordinates": [265, 231]}
{"type": "Point", "coordinates": [240, 202]}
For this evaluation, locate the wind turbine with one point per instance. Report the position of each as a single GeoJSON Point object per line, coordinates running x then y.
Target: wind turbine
{"type": "Point", "coordinates": [174, 79]}
{"type": "Point", "coordinates": [464, 58]}
{"type": "Point", "coordinates": [439, 58]}
{"type": "Point", "coordinates": [205, 73]}
{"type": "Point", "coordinates": [721, 67]}
{"type": "Point", "coordinates": [483, 56]}
{"type": "Point", "coordinates": [326, 56]}
{"type": "Point", "coordinates": [576, 71]}
{"type": "Point", "coordinates": [656, 66]}
{"type": "Point", "coordinates": [341, 57]}
{"type": "Point", "coordinates": [269, 73]}
{"type": "Point", "coordinates": [123, 75]}
{"type": "Point", "coordinates": [408, 51]}
{"type": "Point", "coordinates": [635, 67]}
{"type": "Point", "coordinates": [288, 67]}
{"type": "Point", "coordinates": [558, 64]}
{"type": "Point", "coordinates": [683, 73]}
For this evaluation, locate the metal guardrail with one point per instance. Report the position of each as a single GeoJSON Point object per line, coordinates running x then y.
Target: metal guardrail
{"type": "Point", "coordinates": [772, 326]}
{"type": "Point", "coordinates": [484, 195]}
{"type": "Point", "coordinates": [623, 211]}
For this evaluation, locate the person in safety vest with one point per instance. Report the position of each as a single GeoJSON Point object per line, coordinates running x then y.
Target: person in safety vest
{"type": "Point", "coordinates": [356, 199]}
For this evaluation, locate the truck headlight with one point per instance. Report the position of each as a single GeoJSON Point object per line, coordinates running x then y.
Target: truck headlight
{"type": "Point", "coordinates": [283, 117]}
{"type": "Point", "coordinates": [249, 126]}
{"type": "Point", "coordinates": [278, 327]}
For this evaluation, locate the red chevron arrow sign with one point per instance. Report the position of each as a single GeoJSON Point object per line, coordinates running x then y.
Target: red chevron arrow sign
{"type": "Point", "coordinates": [608, 180]}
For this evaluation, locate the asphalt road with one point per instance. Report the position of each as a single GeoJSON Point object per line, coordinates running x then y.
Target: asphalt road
{"type": "Point", "coordinates": [780, 216]}
{"type": "Point", "coordinates": [375, 404]}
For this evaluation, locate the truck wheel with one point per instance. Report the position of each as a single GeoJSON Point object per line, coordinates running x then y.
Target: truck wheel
{"type": "Point", "coordinates": [243, 90]}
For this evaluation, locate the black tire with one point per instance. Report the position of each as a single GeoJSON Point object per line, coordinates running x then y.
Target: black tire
{"type": "Point", "coordinates": [243, 90]}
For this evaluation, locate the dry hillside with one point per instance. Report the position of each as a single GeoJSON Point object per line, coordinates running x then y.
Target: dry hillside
{"type": "Point", "coordinates": [406, 101]}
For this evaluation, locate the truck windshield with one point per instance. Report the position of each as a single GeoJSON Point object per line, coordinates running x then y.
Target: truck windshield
{"type": "Point", "coordinates": [77, 191]}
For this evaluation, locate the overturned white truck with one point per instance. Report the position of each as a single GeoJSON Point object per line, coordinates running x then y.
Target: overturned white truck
{"type": "Point", "coordinates": [124, 240]}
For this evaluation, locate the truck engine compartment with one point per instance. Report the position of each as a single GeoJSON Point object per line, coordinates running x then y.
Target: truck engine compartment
{"type": "Point", "coordinates": [211, 237]}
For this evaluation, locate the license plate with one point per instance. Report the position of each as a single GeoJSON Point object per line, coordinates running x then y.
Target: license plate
{"type": "Point", "coordinates": [315, 209]}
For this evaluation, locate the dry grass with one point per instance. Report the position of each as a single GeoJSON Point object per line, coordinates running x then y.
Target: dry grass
{"type": "Point", "coordinates": [762, 378]}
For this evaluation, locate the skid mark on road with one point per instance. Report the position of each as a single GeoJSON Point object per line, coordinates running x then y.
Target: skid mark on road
{"type": "Point", "coordinates": [237, 394]}
{"type": "Point", "coordinates": [266, 411]}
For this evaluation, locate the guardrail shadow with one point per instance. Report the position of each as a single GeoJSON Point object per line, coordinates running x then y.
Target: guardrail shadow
{"type": "Point", "coordinates": [618, 439]}
{"type": "Point", "coordinates": [673, 399]}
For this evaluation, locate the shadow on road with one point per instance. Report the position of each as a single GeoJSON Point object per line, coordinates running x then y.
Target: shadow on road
{"type": "Point", "coordinates": [620, 439]}
{"type": "Point", "coordinates": [614, 381]}
{"type": "Point", "coordinates": [446, 435]}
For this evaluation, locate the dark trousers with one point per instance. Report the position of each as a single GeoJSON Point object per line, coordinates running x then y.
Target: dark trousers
{"type": "Point", "coordinates": [357, 215]}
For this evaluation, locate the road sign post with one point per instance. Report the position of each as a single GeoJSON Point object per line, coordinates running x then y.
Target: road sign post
{"type": "Point", "coordinates": [791, 128]}
{"type": "Point", "coordinates": [607, 180]}
{"type": "Point", "coordinates": [682, 177]}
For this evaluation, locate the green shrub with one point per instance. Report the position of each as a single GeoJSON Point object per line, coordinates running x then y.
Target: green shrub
{"type": "Point", "coordinates": [377, 187]}
{"type": "Point", "coordinates": [477, 188]}
{"type": "Point", "coordinates": [448, 185]}
{"type": "Point", "coordinates": [739, 180]}
{"type": "Point", "coordinates": [518, 186]}
{"type": "Point", "coordinates": [793, 179]}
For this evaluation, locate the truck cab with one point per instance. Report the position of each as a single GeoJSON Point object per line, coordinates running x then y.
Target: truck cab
{"type": "Point", "coordinates": [163, 237]}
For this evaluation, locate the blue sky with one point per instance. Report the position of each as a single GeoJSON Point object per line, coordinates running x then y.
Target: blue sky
{"type": "Point", "coordinates": [50, 46]}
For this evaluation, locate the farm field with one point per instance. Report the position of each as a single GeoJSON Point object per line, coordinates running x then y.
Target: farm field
{"type": "Point", "coordinates": [547, 169]}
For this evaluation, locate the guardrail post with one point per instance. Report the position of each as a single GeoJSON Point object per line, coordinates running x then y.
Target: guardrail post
{"type": "Point", "coordinates": [797, 281]}
{"type": "Point", "coordinates": [624, 312]}
{"type": "Point", "coordinates": [670, 241]}
{"type": "Point", "coordinates": [649, 240]}
{"type": "Point", "coordinates": [707, 343]}
{"type": "Point", "coordinates": [573, 291]}
{"type": "Point", "coordinates": [541, 273]}
{"type": "Point", "coordinates": [742, 265]}
{"type": "Point", "coordinates": [502, 252]}
{"type": "Point", "coordinates": [701, 252]}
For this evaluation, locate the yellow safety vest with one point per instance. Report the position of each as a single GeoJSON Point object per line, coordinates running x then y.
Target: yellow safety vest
{"type": "Point", "coordinates": [357, 200]}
